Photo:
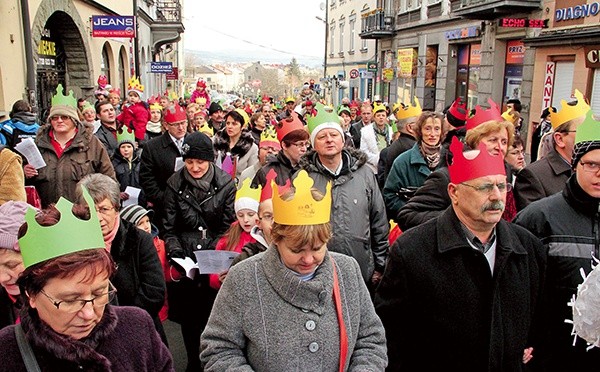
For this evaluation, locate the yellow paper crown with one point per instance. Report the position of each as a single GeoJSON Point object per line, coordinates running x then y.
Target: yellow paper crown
{"type": "Point", "coordinates": [378, 107]}
{"type": "Point", "coordinates": [201, 100]}
{"type": "Point", "coordinates": [156, 106]}
{"type": "Point", "coordinates": [509, 116]}
{"type": "Point", "coordinates": [303, 209]}
{"type": "Point", "coordinates": [134, 84]}
{"type": "Point", "coordinates": [403, 111]}
{"type": "Point", "coordinates": [248, 192]}
{"type": "Point", "coordinates": [568, 112]}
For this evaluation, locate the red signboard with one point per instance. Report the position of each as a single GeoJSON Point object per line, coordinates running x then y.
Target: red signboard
{"type": "Point", "coordinates": [515, 52]}
{"type": "Point", "coordinates": [522, 23]}
{"type": "Point", "coordinates": [173, 75]}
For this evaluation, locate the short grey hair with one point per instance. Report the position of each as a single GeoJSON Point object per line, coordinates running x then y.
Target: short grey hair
{"type": "Point", "coordinates": [100, 187]}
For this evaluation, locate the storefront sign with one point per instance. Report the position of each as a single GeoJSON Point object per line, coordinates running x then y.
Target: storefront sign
{"type": "Point", "coordinates": [173, 75]}
{"type": "Point", "coordinates": [515, 52]}
{"type": "Point", "coordinates": [161, 67]}
{"type": "Point", "coordinates": [405, 62]}
{"type": "Point", "coordinates": [521, 22]}
{"type": "Point", "coordinates": [113, 26]}
{"type": "Point", "coordinates": [372, 66]}
{"type": "Point", "coordinates": [548, 85]}
{"type": "Point", "coordinates": [387, 74]}
{"type": "Point", "coordinates": [475, 54]}
{"type": "Point", "coordinates": [463, 33]}
{"type": "Point", "coordinates": [577, 11]}
{"type": "Point", "coordinates": [592, 56]}
{"type": "Point", "coordinates": [46, 51]}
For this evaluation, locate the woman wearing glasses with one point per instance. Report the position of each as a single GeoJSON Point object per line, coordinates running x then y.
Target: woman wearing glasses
{"type": "Point", "coordinates": [70, 150]}
{"type": "Point", "coordinates": [66, 321]}
{"type": "Point", "coordinates": [139, 278]}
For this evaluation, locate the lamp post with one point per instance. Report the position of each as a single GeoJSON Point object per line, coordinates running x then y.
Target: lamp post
{"type": "Point", "coordinates": [325, 22]}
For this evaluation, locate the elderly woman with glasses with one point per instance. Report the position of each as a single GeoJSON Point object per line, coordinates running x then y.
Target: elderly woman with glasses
{"type": "Point", "coordinates": [67, 322]}
{"type": "Point", "coordinates": [139, 278]}
{"type": "Point", "coordinates": [70, 150]}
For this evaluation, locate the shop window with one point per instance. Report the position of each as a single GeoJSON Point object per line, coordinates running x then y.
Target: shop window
{"type": "Point", "coordinates": [513, 70]}
{"type": "Point", "coordinates": [563, 82]}
{"type": "Point", "coordinates": [595, 97]}
{"type": "Point", "coordinates": [467, 74]}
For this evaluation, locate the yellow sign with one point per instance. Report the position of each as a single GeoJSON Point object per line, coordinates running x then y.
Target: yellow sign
{"type": "Point", "coordinates": [47, 48]}
{"type": "Point", "coordinates": [387, 74]}
{"type": "Point", "coordinates": [405, 62]}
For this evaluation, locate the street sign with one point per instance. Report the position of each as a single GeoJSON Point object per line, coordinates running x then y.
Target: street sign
{"type": "Point", "coordinates": [113, 26]}
{"type": "Point", "coordinates": [372, 66]}
{"type": "Point", "coordinates": [161, 67]}
{"type": "Point", "coordinates": [353, 73]}
{"type": "Point", "coordinates": [173, 75]}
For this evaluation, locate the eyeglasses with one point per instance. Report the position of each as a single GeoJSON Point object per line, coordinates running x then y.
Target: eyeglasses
{"type": "Point", "coordinates": [104, 210]}
{"type": "Point", "coordinates": [61, 117]}
{"type": "Point", "coordinates": [488, 188]}
{"type": "Point", "coordinates": [590, 167]}
{"type": "Point", "coordinates": [301, 144]}
{"type": "Point", "coordinates": [74, 306]}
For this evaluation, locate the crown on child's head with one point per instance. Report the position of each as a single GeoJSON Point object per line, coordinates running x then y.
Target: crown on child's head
{"type": "Point", "coordinates": [482, 115]}
{"type": "Point", "coordinates": [69, 235]}
{"type": "Point", "coordinates": [405, 111]}
{"type": "Point", "coordinates": [60, 99]}
{"type": "Point", "coordinates": [483, 164]}
{"type": "Point", "coordinates": [201, 100]}
{"type": "Point", "coordinates": [568, 112]}
{"type": "Point", "coordinates": [135, 85]}
{"type": "Point", "coordinates": [303, 209]}
{"type": "Point", "coordinates": [247, 197]}
{"type": "Point", "coordinates": [125, 134]}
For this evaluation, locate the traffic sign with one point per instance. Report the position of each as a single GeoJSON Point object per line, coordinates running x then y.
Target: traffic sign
{"type": "Point", "coordinates": [353, 73]}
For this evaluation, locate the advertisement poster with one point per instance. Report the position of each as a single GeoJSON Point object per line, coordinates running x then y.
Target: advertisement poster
{"type": "Point", "coordinates": [407, 62]}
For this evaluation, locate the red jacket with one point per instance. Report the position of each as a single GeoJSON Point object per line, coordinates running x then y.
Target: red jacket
{"type": "Point", "coordinates": [245, 238]}
{"type": "Point", "coordinates": [135, 117]}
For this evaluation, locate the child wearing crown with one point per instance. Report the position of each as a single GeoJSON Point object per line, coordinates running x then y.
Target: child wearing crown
{"type": "Point", "coordinates": [135, 114]}
{"type": "Point", "coordinates": [201, 94]}
{"type": "Point", "coordinates": [154, 127]}
{"type": "Point", "coordinates": [126, 161]}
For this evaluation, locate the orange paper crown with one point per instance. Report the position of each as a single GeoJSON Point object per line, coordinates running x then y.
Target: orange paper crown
{"type": "Point", "coordinates": [175, 113]}
{"type": "Point", "coordinates": [483, 164]}
{"type": "Point", "coordinates": [458, 109]}
{"type": "Point", "coordinates": [568, 112]}
{"type": "Point", "coordinates": [482, 115]}
{"type": "Point", "coordinates": [303, 209]}
{"type": "Point", "coordinates": [287, 125]}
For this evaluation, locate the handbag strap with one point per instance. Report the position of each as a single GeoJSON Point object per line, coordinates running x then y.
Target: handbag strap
{"type": "Point", "coordinates": [340, 315]}
{"type": "Point", "coordinates": [30, 362]}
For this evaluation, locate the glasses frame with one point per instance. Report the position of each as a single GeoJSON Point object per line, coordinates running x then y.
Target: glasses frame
{"type": "Point", "coordinates": [61, 117]}
{"type": "Point", "coordinates": [111, 295]}
{"type": "Point", "coordinates": [488, 188]}
{"type": "Point", "coordinates": [105, 210]}
{"type": "Point", "coordinates": [586, 165]}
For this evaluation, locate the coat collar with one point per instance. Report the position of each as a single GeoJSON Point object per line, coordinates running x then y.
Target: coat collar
{"type": "Point", "coordinates": [558, 164]}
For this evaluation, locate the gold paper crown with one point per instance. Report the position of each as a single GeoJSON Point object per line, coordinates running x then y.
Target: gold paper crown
{"type": "Point", "coordinates": [156, 106]}
{"type": "Point", "coordinates": [509, 116]}
{"type": "Point", "coordinates": [248, 192]}
{"type": "Point", "coordinates": [268, 135]}
{"type": "Point", "coordinates": [134, 84]}
{"type": "Point", "coordinates": [201, 100]}
{"type": "Point", "coordinates": [403, 111]}
{"type": "Point", "coordinates": [303, 209]}
{"type": "Point", "coordinates": [378, 107]}
{"type": "Point", "coordinates": [569, 112]}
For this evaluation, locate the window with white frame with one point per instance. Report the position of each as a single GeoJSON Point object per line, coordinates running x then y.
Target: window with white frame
{"type": "Point", "coordinates": [409, 5]}
{"type": "Point", "coordinates": [352, 25]}
{"type": "Point", "coordinates": [331, 37]}
{"type": "Point", "coordinates": [342, 22]}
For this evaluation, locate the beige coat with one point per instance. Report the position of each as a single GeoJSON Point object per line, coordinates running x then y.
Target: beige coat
{"type": "Point", "coordinates": [12, 180]}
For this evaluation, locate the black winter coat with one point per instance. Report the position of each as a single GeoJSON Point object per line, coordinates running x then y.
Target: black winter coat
{"type": "Point", "coordinates": [282, 166]}
{"type": "Point", "coordinates": [442, 308]}
{"type": "Point", "coordinates": [128, 176]}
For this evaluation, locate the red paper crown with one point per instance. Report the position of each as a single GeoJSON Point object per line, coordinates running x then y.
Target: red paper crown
{"type": "Point", "coordinates": [153, 99]}
{"type": "Point", "coordinates": [175, 113]}
{"type": "Point", "coordinates": [287, 125]}
{"type": "Point", "coordinates": [201, 83]}
{"type": "Point", "coordinates": [482, 115]}
{"type": "Point", "coordinates": [265, 98]}
{"type": "Point", "coordinates": [267, 191]}
{"type": "Point", "coordinates": [483, 164]}
{"type": "Point", "coordinates": [458, 109]}
{"type": "Point", "coordinates": [116, 91]}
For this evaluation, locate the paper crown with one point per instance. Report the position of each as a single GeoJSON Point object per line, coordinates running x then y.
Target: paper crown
{"type": "Point", "coordinates": [247, 197]}
{"type": "Point", "coordinates": [102, 81]}
{"type": "Point", "coordinates": [325, 115]}
{"type": "Point", "coordinates": [267, 191]}
{"type": "Point", "coordinates": [589, 130]}
{"type": "Point", "coordinates": [244, 115]}
{"type": "Point", "coordinates": [227, 163]}
{"type": "Point", "coordinates": [344, 108]}
{"type": "Point", "coordinates": [509, 116]}
{"type": "Point", "coordinates": [378, 107]}
{"type": "Point", "coordinates": [290, 99]}
{"type": "Point", "coordinates": [201, 83]}
{"type": "Point", "coordinates": [403, 111]}
{"type": "Point", "coordinates": [175, 113]}
{"type": "Point", "coordinates": [287, 125]}
{"type": "Point", "coordinates": [483, 164]}
{"type": "Point", "coordinates": [201, 100]}
{"type": "Point", "coordinates": [268, 137]}
{"type": "Point", "coordinates": [155, 106]}
{"type": "Point", "coordinates": [206, 130]}
{"type": "Point", "coordinates": [482, 115]}
{"type": "Point", "coordinates": [42, 243]}
{"type": "Point", "coordinates": [458, 109]}
{"type": "Point", "coordinates": [87, 106]}
{"type": "Point", "coordinates": [135, 85]}
{"type": "Point", "coordinates": [265, 98]}
{"type": "Point", "coordinates": [303, 209]}
{"type": "Point", "coordinates": [125, 135]}
{"type": "Point", "coordinates": [568, 112]}
{"type": "Point", "coordinates": [116, 91]}
{"type": "Point", "coordinates": [60, 99]}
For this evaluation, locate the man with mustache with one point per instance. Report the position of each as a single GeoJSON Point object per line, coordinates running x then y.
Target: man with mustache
{"type": "Point", "coordinates": [462, 291]}
{"type": "Point", "coordinates": [567, 224]}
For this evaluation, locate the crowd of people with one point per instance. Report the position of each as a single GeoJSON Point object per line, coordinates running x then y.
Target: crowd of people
{"type": "Point", "coordinates": [366, 237]}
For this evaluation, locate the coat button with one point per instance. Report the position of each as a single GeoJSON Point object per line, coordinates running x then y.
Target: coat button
{"type": "Point", "coordinates": [304, 310]}
{"type": "Point", "coordinates": [310, 325]}
{"type": "Point", "coordinates": [313, 347]}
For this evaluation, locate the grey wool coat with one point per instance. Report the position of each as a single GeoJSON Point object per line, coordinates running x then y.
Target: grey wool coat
{"type": "Point", "coordinates": [266, 319]}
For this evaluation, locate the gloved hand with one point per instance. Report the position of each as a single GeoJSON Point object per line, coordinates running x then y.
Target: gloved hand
{"type": "Point", "coordinates": [176, 253]}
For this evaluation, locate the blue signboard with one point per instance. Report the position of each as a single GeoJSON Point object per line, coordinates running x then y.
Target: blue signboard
{"type": "Point", "coordinates": [161, 67]}
{"type": "Point", "coordinates": [113, 26]}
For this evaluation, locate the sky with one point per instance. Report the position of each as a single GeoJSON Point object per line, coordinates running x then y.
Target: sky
{"type": "Point", "coordinates": [261, 26]}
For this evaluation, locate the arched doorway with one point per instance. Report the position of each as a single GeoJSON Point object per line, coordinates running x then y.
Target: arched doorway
{"type": "Point", "coordinates": [62, 59]}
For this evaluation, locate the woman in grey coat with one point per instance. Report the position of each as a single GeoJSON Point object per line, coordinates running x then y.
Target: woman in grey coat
{"type": "Point", "coordinates": [279, 310]}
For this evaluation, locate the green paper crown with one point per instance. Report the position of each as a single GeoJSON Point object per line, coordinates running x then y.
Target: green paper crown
{"type": "Point", "coordinates": [60, 99]}
{"type": "Point", "coordinates": [69, 235]}
{"type": "Point", "coordinates": [125, 135]}
{"type": "Point", "coordinates": [589, 130]}
{"type": "Point", "coordinates": [325, 114]}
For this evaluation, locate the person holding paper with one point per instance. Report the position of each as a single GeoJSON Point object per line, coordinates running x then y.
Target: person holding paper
{"type": "Point", "coordinates": [238, 234]}
{"type": "Point", "coordinates": [199, 207]}
{"type": "Point", "coordinates": [297, 306]}
{"type": "Point", "coordinates": [126, 161]}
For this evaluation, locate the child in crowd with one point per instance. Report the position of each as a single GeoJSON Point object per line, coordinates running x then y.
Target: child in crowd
{"type": "Point", "coordinates": [126, 162]}
{"type": "Point", "coordinates": [135, 114]}
{"type": "Point", "coordinates": [198, 121]}
{"type": "Point", "coordinates": [200, 92]}
{"type": "Point", "coordinates": [154, 126]}
{"type": "Point", "coordinates": [114, 96]}
{"type": "Point", "coordinates": [238, 235]}
{"type": "Point", "coordinates": [141, 218]}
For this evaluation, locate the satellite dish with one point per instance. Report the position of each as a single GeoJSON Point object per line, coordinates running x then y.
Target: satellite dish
{"type": "Point", "coordinates": [322, 6]}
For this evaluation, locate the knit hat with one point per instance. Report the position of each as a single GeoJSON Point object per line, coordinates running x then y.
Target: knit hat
{"type": "Point", "coordinates": [197, 145]}
{"type": "Point", "coordinates": [125, 135]}
{"type": "Point", "coordinates": [247, 197]}
{"type": "Point", "coordinates": [325, 118]}
{"type": "Point", "coordinates": [12, 216]}
{"type": "Point", "coordinates": [64, 105]}
{"type": "Point", "coordinates": [134, 213]}
{"type": "Point", "coordinates": [587, 138]}
{"type": "Point", "coordinates": [214, 107]}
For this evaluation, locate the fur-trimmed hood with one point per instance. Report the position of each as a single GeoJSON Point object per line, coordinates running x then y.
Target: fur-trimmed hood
{"type": "Point", "coordinates": [352, 158]}
{"type": "Point", "coordinates": [241, 148]}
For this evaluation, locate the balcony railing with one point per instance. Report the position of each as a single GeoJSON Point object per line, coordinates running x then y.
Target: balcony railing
{"type": "Point", "coordinates": [377, 25]}
{"type": "Point", "coordinates": [168, 11]}
{"type": "Point", "coordinates": [490, 9]}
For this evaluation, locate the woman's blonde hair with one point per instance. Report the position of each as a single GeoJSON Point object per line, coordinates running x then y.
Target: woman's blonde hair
{"type": "Point", "coordinates": [301, 235]}
{"type": "Point", "coordinates": [475, 135]}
